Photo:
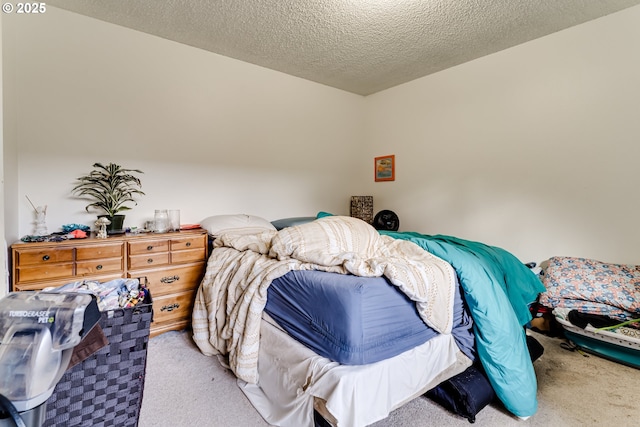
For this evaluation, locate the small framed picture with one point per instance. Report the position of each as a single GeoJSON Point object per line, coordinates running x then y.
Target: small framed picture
{"type": "Point", "coordinates": [385, 168]}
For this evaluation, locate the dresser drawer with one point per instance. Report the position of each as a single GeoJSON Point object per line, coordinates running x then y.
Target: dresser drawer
{"type": "Point", "coordinates": [148, 246]}
{"type": "Point", "coordinates": [192, 242]}
{"type": "Point", "coordinates": [172, 280]}
{"type": "Point", "coordinates": [98, 266]}
{"type": "Point", "coordinates": [98, 252]}
{"type": "Point", "coordinates": [148, 260]}
{"type": "Point", "coordinates": [41, 257]}
{"type": "Point", "coordinates": [172, 307]}
{"type": "Point", "coordinates": [44, 272]}
{"type": "Point", "coordinates": [180, 257]}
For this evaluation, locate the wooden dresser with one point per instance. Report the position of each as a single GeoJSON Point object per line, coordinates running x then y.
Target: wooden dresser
{"type": "Point", "coordinates": [173, 264]}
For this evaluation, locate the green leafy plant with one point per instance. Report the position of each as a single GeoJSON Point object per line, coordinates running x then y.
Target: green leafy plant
{"type": "Point", "coordinates": [109, 187]}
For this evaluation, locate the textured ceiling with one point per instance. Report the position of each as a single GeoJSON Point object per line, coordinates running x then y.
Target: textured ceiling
{"type": "Point", "coordinates": [361, 46]}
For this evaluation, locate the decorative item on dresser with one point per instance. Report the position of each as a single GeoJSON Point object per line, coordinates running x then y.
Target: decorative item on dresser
{"type": "Point", "coordinates": [173, 264]}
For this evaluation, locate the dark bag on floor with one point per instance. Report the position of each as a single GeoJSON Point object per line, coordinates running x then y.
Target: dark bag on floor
{"type": "Point", "coordinates": [468, 393]}
{"type": "Point", "coordinates": [464, 394]}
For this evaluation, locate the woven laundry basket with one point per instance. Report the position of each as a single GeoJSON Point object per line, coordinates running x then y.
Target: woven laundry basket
{"type": "Point", "coordinates": [106, 388]}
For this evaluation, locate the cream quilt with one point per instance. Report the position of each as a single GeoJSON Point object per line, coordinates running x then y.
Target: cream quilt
{"type": "Point", "coordinates": [233, 293]}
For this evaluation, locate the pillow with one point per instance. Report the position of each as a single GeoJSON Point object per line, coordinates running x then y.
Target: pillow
{"type": "Point", "coordinates": [327, 241]}
{"type": "Point", "coordinates": [279, 224]}
{"type": "Point", "coordinates": [239, 223]}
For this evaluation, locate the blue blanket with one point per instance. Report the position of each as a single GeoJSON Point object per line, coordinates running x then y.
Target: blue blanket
{"type": "Point", "coordinates": [498, 289]}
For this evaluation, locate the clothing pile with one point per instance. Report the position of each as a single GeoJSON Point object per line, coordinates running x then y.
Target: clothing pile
{"type": "Point", "coordinates": [118, 293]}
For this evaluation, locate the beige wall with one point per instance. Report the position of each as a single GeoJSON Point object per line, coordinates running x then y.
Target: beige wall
{"type": "Point", "coordinates": [534, 148]}
{"type": "Point", "coordinates": [213, 135]}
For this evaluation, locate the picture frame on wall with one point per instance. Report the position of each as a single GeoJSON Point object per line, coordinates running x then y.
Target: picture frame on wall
{"type": "Point", "coordinates": [385, 168]}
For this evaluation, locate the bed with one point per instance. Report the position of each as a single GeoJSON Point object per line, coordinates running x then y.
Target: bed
{"type": "Point", "coordinates": [246, 306]}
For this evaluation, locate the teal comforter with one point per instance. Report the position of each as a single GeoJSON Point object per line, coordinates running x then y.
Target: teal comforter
{"type": "Point", "coordinates": [498, 289]}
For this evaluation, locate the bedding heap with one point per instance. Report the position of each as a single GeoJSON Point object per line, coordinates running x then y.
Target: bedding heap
{"type": "Point", "coordinates": [428, 270]}
{"type": "Point", "coordinates": [597, 304]}
{"type": "Point", "coordinates": [592, 287]}
{"type": "Point", "coordinates": [233, 294]}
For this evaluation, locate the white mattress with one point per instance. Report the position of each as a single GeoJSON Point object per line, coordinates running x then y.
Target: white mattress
{"type": "Point", "coordinates": [292, 378]}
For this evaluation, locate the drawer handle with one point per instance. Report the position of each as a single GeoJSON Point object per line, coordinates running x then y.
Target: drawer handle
{"type": "Point", "coordinates": [99, 267]}
{"type": "Point", "coordinates": [45, 258]}
{"type": "Point", "coordinates": [150, 260]}
{"type": "Point", "coordinates": [149, 247]}
{"type": "Point", "coordinates": [170, 279]}
{"type": "Point", "coordinates": [170, 307]}
{"type": "Point", "coordinates": [188, 244]}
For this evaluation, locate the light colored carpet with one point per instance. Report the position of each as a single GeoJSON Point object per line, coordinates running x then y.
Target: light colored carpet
{"type": "Point", "coordinates": [185, 388]}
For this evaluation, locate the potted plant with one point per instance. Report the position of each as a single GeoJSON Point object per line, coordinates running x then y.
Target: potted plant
{"type": "Point", "coordinates": [110, 188]}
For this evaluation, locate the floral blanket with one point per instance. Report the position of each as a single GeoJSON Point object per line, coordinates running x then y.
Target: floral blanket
{"type": "Point", "coordinates": [592, 287]}
{"type": "Point", "coordinates": [232, 296]}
